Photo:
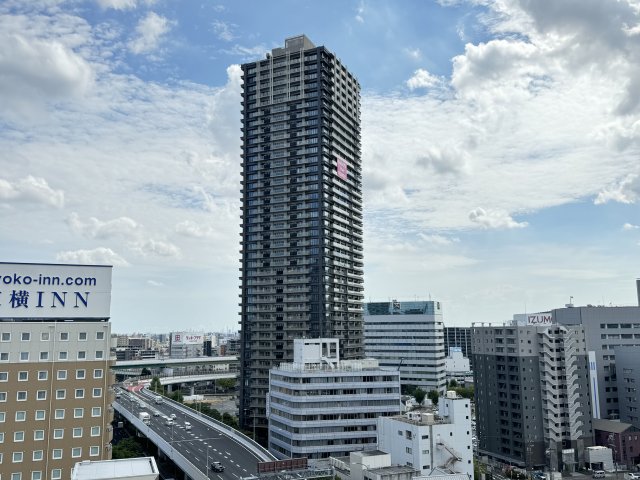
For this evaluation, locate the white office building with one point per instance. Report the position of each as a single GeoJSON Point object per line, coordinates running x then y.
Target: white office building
{"type": "Point", "coordinates": [409, 337]}
{"type": "Point", "coordinates": [319, 406]}
{"type": "Point", "coordinates": [457, 366]}
{"type": "Point", "coordinates": [432, 444]}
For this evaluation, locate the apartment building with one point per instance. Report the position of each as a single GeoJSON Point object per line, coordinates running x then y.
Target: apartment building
{"type": "Point", "coordinates": [321, 406]}
{"type": "Point", "coordinates": [55, 360]}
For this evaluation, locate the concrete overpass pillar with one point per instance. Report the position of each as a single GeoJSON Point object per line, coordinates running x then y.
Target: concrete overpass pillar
{"type": "Point", "coordinates": [192, 390]}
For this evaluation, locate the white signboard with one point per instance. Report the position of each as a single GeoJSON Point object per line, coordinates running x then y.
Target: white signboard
{"type": "Point", "coordinates": [184, 338]}
{"type": "Point", "coordinates": [29, 290]}
{"type": "Point", "coordinates": [539, 319]}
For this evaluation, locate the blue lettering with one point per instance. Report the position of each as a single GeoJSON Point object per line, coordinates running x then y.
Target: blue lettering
{"type": "Point", "coordinates": [85, 300]}
{"type": "Point", "coordinates": [39, 304]}
{"type": "Point", "coordinates": [16, 279]}
{"type": "Point", "coordinates": [61, 299]}
{"type": "Point", "coordinates": [27, 280]}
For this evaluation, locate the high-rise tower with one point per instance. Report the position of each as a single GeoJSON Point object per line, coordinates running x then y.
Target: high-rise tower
{"type": "Point", "coordinates": [301, 213]}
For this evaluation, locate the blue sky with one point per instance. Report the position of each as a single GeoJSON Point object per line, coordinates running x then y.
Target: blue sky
{"type": "Point", "coordinates": [500, 147]}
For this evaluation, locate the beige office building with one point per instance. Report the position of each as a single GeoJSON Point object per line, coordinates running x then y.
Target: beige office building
{"type": "Point", "coordinates": [55, 359]}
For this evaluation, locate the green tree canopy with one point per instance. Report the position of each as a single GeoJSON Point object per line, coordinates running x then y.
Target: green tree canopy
{"type": "Point", "coordinates": [419, 395]}
{"type": "Point", "coordinates": [127, 448]}
{"type": "Point", "coordinates": [226, 383]}
{"type": "Point", "coordinates": [433, 396]}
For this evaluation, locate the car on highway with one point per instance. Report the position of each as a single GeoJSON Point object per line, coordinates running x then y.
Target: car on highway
{"type": "Point", "coordinates": [168, 421]}
{"type": "Point", "coordinates": [173, 416]}
{"type": "Point", "coordinates": [156, 413]}
{"type": "Point", "coordinates": [217, 467]}
{"type": "Point", "coordinates": [187, 425]}
{"type": "Point", "coordinates": [598, 474]}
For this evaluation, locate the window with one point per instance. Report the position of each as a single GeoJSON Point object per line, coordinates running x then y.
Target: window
{"type": "Point", "coordinates": [44, 355]}
{"type": "Point", "coordinates": [41, 414]}
{"type": "Point", "coordinates": [59, 414]}
{"type": "Point", "coordinates": [82, 336]}
{"type": "Point", "coordinates": [38, 435]}
{"type": "Point", "coordinates": [97, 392]}
{"type": "Point", "coordinates": [3, 417]}
{"type": "Point", "coordinates": [16, 476]}
{"type": "Point", "coordinates": [94, 451]}
{"type": "Point", "coordinates": [61, 394]}
{"type": "Point", "coordinates": [64, 336]}
{"type": "Point", "coordinates": [99, 354]}
{"type": "Point", "coordinates": [25, 336]}
{"type": "Point", "coordinates": [43, 375]}
{"type": "Point", "coordinates": [95, 431]}
{"type": "Point", "coordinates": [36, 475]}
{"type": "Point", "coordinates": [82, 355]}
{"type": "Point", "coordinates": [6, 336]}
{"type": "Point", "coordinates": [76, 452]}
{"type": "Point", "coordinates": [77, 432]}
{"type": "Point", "coordinates": [38, 455]}
{"type": "Point", "coordinates": [41, 395]}
{"type": "Point", "coordinates": [1, 438]}
{"type": "Point", "coordinates": [99, 335]}
{"type": "Point", "coordinates": [17, 457]}
{"type": "Point", "coordinates": [62, 355]}
{"type": "Point", "coordinates": [3, 396]}
{"type": "Point", "coordinates": [58, 433]}
{"type": "Point", "coordinates": [81, 374]}
{"type": "Point", "coordinates": [21, 396]}
{"type": "Point", "coordinates": [18, 436]}
{"type": "Point", "coordinates": [4, 376]}
{"type": "Point", "coordinates": [62, 374]}
{"type": "Point", "coordinates": [21, 416]}
{"type": "Point", "coordinates": [78, 412]}
{"type": "Point", "coordinates": [4, 357]}
{"type": "Point", "coordinates": [23, 376]}
{"type": "Point", "coordinates": [24, 356]}
{"type": "Point", "coordinates": [44, 336]}
{"type": "Point", "coordinates": [96, 411]}
{"type": "Point", "coordinates": [97, 373]}
{"type": "Point", "coordinates": [79, 392]}
{"type": "Point", "coordinates": [56, 473]}
{"type": "Point", "coordinates": [56, 454]}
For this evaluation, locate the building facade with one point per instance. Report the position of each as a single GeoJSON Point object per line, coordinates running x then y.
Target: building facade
{"type": "Point", "coordinates": [533, 406]}
{"type": "Point", "coordinates": [457, 366]}
{"type": "Point", "coordinates": [409, 337]}
{"type": "Point", "coordinates": [628, 383]}
{"type": "Point", "coordinates": [301, 213]}
{"type": "Point", "coordinates": [320, 406]}
{"type": "Point", "coordinates": [432, 444]}
{"type": "Point", "coordinates": [459, 337]}
{"type": "Point", "coordinates": [55, 361]}
{"type": "Point", "coordinates": [186, 345]}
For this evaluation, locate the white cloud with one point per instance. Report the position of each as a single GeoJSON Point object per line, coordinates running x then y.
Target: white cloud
{"type": "Point", "coordinates": [157, 248]}
{"type": "Point", "coordinates": [360, 12]}
{"type": "Point", "coordinates": [437, 240]}
{"type": "Point", "coordinates": [155, 283]}
{"type": "Point", "coordinates": [192, 229]}
{"type": "Point", "coordinates": [422, 79]}
{"type": "Point", "coordinates": [629, 226]}
{"type": "Point", "coordinates": [446, 160]}
{"type": "Point", "coordinates": [97, 256]}
{"type": "Point", "coordinates": [94, 228]}
{"type": "Point", "coordinates": [149, 33]}
{"type": "Point", "coordinates": [626, 191]}
{"type": "Point", "coordinates": [247, 53]}
{"type": "Point", "coordinates": [224, 31]}
{"type": "Point", "coordinates": [32, 190]}
{"type": "Point", "coordinates": [494, 219]}
{"type": "Point", "coordinates": [413, 53]}
{"type": "Point", "coordinates": [124, 4]}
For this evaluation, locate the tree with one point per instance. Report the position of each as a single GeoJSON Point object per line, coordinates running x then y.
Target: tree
{"type": "Point", "coordinates": [453, 383]}
{"type": "Point", "coordinates": [465, 392]}
{"type": "Point", "coordinates": [433, 396]}
{"type": "Point", "coordinates": [145, 372]}
{"type": "Point", "coordinates": [226, 383]}
{"type": "Point", "coordinates": [156, 386]}
{"type": "Point", "coordinates": [419, 395]}
{"type": "Point", "coordinates": [127, 448]}
{"type": "Point", "coordinates": [177, 396]}
{"type": "Point", "coordinates": [230, 420]}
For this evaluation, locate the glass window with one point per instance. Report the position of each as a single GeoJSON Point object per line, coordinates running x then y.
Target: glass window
{"type": "Point", "coordinates": [43, 375]}
{"type": "Point", "coordinates": [97, 392]}
{"type": "Point", "coordinates": [4, 376]}
{"type": "Point", "coordinates": [62, 355]}
{"type": "Point", "coordinates": [64, 336]}
{"type": "Point", "coordinates": [56, 473]}
{"type": "Point", "coordinates": [25, 336]}
{"type": "Point", "coordinates": [4, 356]}
{"type": "Point", "coordinates": [36, 475]}
{"type": "Point", "coordinates": [58, 433]}
{"type": "Point", "coordinates": [1, 437]}
{"type": "Point", "coordinates": [44, 355]}
{"type": "Point", "coordinates": [62, 374]}
{"type": "Point", "coordinates": [21, 396]}
{"type": "Point", "coordinates": [38, 434]}
{"type": "Point", "coordinates": [96, 411]}
{"type": "Point", "coordinates": [23, 376]}
{"type": "Point", "coordinates": [61, 394]}
{"type": "Point", "coordinates": [82, 355]}
{"type": "Point", "coordinates": [78, 412]}
{"type": "Point", "coordinates": [81, 374]}
{"type": "Point", "coordinates": [76, 452]}
{"type": "Point", "coordinates": [17, 457]}
{"type": "Point", "coordinates": [77, 432]}
{"type": "Point", "coordinates": [3, 396]}
{"type": "Point", "coordinates": [18, 436]}
{"type": "Point", "coordinates": [6, 336]}
{"type": "Point", "coordinates": [16, 476]}
{"type": "Point", "coordinates": [21, 416]}
{"type": "Point", "coordinates": [99, 354]}
{"type": "Point", "coordinates": [56, 454]}
{"type": "Point", "coordinates": [24, 356]}
{"type": "Point", "coordinates": [95, 431]}
{"type": "Point", "coordinates": [41, 395]}
{"type": "Point", "coordinates": [82, 336]}
{"type": "Point", "coordinates": [38, 455]}
{"type": "Point", "coordinates": [40, 414]}
{"type": "Point", "coordinates": [44, 336]}
{"type": "Point", "coordinates": [79, 392]}
{"type": "Point", "coordinates": [59, 414]}
{"type": "Point", "coordinates": [99, 335]}
{"type": "Point", "coordinates": [97, 373]}
{"type": "Point", "coordinates": [94, 451]}
{"type": "Point", "coordinates": [3, 417]}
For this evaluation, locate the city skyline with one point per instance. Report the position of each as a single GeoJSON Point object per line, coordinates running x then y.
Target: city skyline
{"type": "Point", "coordinates": [490, 183]}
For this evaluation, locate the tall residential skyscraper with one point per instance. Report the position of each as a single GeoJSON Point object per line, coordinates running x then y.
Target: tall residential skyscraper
{"type": "Point", "coordinates": [301, 213]}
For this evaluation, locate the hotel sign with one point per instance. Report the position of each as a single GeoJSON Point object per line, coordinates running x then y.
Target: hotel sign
{"type": "Point", "coordinates": [36, 291]}
{"type": "Point", "coordinates": [540, 319]}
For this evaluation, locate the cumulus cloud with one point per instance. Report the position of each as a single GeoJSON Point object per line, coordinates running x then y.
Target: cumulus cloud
{"type": "Point", "coordinates": [626, 191]}
{"type": "Point", "coordinates": [494, 219]}
{"type": "Point", "coordinates": [224, 31]}
{"type": "Point", "coordinates": [156, 248]}
{"type": "Point", "coordinates": [422, 79]}
{"type": "Point", "coordinates": [124, 4]}
{"type": "Point", "coordinates": [149, 33]}
{"type": "Point", "coordinates": [97, 256]}
{"type": "Point", "coordinates": [94, 228]}
{"type": "Point", "coordinates": [31, 190]}
{"type": "Point", "coordinates": [447, 160]}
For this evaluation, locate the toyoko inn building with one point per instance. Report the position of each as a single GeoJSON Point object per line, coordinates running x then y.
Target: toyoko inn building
{"type": "Point", "coordinates": [55, 359]}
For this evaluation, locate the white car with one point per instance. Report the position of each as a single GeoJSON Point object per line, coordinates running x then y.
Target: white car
{"type": "Point", "coordinates": [156, 413]}
{"type": "Point", "coordinates": [173, 416]}
{"type": "Point", "coordinates": [187, 425]}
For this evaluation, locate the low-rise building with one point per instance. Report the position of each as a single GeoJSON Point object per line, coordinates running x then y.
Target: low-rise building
{"type": "Point", "coordinates": [431, 443]}
{"type": "Point", "coordinates": [319, 406]}
{"type": "Point", "coordinates": [143, 468]}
